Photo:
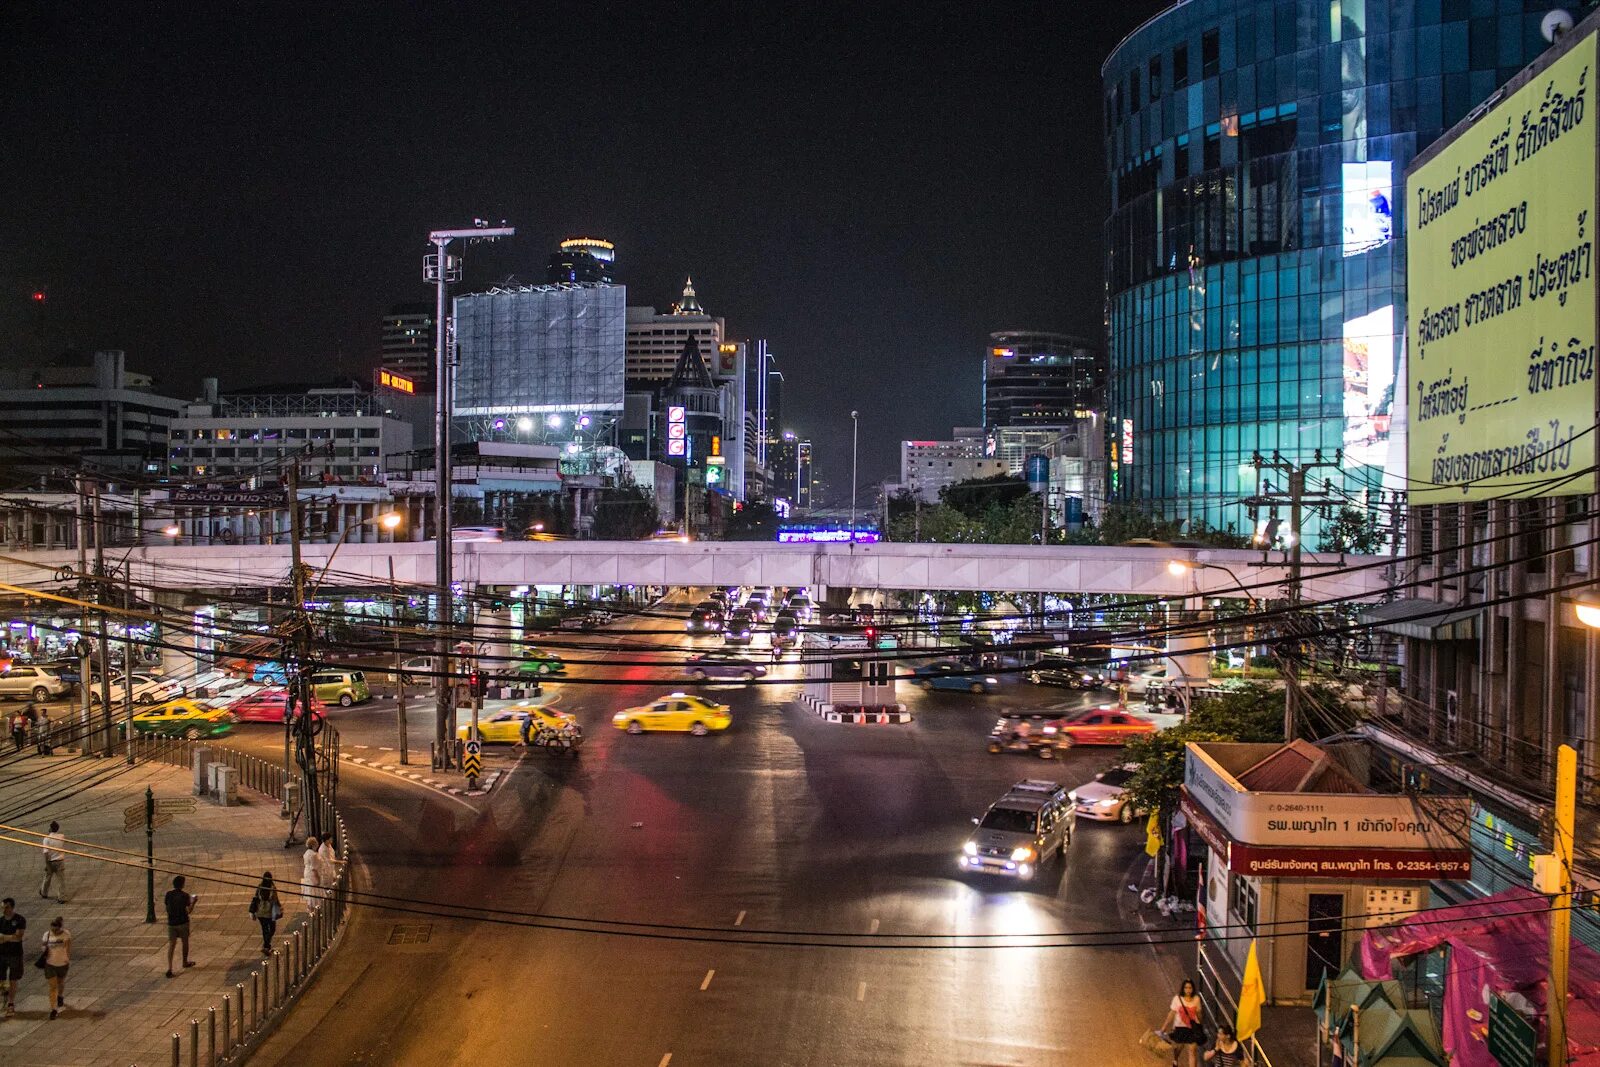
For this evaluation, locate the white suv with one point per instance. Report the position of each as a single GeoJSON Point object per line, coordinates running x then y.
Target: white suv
{"type": "Point", "coordinates": [31, 683]}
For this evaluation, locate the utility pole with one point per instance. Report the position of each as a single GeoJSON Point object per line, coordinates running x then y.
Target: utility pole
{"type": "Point", "coordinates": [127, 656]}
{"type": "Point", "coordinates": [855, 437]}
{"type": "Point", "coordinates": [104, 738]}
{"type": "Point", "coordinates": [1296, 498]}
{"type": "Point", "coordinates": [1565, 817]}
{"type": "Point", "coordinates": [297, 587]}
{"type": "Point", "coordinates": [399, 675]}
{"type": "Point", "coordinates": [85, 711]}
{"type": "Point", "coordinates": [441, 268]}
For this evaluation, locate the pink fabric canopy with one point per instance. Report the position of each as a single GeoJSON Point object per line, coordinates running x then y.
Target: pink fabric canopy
{"type": "Point", "coordinates": [1499, 944]}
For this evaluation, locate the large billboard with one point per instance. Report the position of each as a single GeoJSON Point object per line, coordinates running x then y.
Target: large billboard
{"type": "Point", "coordinates": [1500, 350]}
{"type": "Point", "coordinates": [541, 350]}
{"type": "Point", "coordinates": [1368, 217]}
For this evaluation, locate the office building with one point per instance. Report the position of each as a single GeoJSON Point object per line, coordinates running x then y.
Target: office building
{"type": "Point", "coordinates": [341, 435]}
{"type": "Point", "coordinates": [929, 466]}
{"type": "Point", "coordinates": [545, 353]}
{"type": "Point", "coordinates": [789, 463]}
{"type": "Point", "coordinates": [84, 411]}
{"type": "Point", "coordinates": [1040, 379]}
{"type": "Point", "coordinates": [1253, 269]}
{"type": "Point", "coordinates": [655, 341]}
{"type": "Point", "coordinates": [582, 259]}
{"type": "Point", "coordinates": [408, 344]}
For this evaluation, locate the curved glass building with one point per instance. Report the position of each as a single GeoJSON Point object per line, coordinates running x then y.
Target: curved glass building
{"type": "Point", "coordinates": [1255, 261]}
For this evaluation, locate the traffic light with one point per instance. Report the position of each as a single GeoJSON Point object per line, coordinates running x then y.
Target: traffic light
{"type": "Point", "coordinates": [477, 683]}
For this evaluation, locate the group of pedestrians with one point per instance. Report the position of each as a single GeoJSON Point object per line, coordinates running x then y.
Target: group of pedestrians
{"type": "Point", "coordinates": [31, 726]}
{"type": "Point", "coordinates": [55, 946]}
{"type": "Point", "coordinates": [1185, 1028]}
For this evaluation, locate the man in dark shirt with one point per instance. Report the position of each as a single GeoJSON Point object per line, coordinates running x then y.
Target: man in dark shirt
{"type": "Point", "coordinates": [12, 930]}
{"type": "Point", "coordinates": [179, 905]}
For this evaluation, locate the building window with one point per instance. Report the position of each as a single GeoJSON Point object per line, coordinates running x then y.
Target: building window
{"type": "Point", "coordinates": [1242, 902]}
{"type": "Point", "coordinates": [1133, 91]}
{"type": "Point", "coordinates": [1155, 78]}
{"type": "Point", "coordinates": [1210, 53]}
{"type": "Point", "coordinates": [1180, 66]}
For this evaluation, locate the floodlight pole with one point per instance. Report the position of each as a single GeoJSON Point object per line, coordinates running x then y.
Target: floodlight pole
{"type": "Point", "coordinates": [440, 269]}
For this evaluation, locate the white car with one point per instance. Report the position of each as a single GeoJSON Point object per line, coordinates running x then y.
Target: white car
{"type": "Point", "coordinates": [1105, 798]}
{"type": "Point", "coordinates": [147, 689]}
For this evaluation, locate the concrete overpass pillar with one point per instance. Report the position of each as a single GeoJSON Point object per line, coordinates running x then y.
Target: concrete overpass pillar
{"type": "Point", "coordinates": [1188, 659]}
{"type": "Point", "coordinates": [180, 661]}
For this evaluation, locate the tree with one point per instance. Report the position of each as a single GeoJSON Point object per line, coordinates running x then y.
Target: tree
{"type": "Point", "coordinates": [625, 514]}
{"type": "Point", "coordinates": [976, 496]}
{"type": "Point", "coordinates": [1248, 713]}
{"type": "Point", "coordinates": [1352, 530]}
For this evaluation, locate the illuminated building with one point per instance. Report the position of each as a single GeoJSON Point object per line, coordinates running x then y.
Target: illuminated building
{"type": "Point", "coordinates": [1254, 260]}
{"type": "Point", "coordinates": [929, 466]}
{"type": "Point", "coordinates": [582, 259]}
{"type": "Point", "coordinates": [407, 343]}
{"type": "Point", "coordinates": [1039, 379]}
{"type": "Point", "coordinates": [655, 341]}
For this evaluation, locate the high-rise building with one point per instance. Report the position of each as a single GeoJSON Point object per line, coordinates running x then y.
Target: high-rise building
{"type": "Point", "coordinates": [1254, 261]}
{"type": "Point", "coordinates": [790, 467]}
{"type": "Point", "coordinates": [408, 346]}
{"type": "Point", "coordinates": [929, 466]}
{"type": "Point", "coordinates": [655, 341]}
{"type": "Point", "coordinates": [582, 259]}
{"type": "Point", "coordinates": [1040, 379]}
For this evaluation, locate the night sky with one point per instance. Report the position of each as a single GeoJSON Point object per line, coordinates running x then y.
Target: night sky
{"type": "Point", "coordinates": [242, 189]}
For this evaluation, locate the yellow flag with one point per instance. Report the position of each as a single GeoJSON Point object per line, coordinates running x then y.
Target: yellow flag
{"type": "Point", "coordinates": [1252, 994]}
{"type": "Point", "coordinates": [1152, 834]}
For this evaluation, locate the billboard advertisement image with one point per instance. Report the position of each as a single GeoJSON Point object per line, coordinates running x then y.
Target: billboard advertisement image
{"type": "Point", "coordinates": [1500, 337]}
{"type": "Point", "coordinates": [1370, 348]}
{"type": "Point", "coordinates": [1368, 214]}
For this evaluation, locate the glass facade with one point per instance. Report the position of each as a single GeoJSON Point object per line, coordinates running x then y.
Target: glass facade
{"type": "Point", "coordinates": [1255, 263]}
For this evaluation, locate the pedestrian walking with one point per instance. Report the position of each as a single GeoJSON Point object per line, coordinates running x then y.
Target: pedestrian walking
{"type": "Point", "coordinates": [55, 864]}
{"type": "Point", "coordinates": [1184, 1025]}
{"type": "Point", "coordinates": [13, 928]}
{"type": "Point", "coordinates": [327, 866]}
{"type": "Point", "coordinates": [180, 905]}
{"type": "Point", "coordinates": [57, 946]}
{"type": "Point", "coordinates": [1227, 1052]}
{"type": "Point", "coordinates": [311, 873]}
{"type": "Point", "coordinates": [267, 909]}
{"type": "Point", "coordinates": [41, 733]}
{"type": "Point", "coordinates": [19, 731]}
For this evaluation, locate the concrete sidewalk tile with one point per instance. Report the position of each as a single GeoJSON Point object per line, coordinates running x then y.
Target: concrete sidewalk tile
{"type": "Point", "coordinates": [120, 1007]}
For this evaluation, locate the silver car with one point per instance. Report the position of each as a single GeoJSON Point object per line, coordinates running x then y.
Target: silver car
{"type": "Point", "coordinates": [1020, 832]}
{"type": "Point", "coordinates": [31, 683]}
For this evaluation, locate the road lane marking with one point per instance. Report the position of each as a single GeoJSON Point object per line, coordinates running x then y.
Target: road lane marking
{"type": "Point", "coordinates": [874, 928]}
{"type": "Point", "coordinates": [705, 984]}
{"type": "Point", "coordinates": [665, 1060]}
{"type": "Point", "coordinates": [739, 921]}
{"type": "Point", "coordinates": [861, 991]}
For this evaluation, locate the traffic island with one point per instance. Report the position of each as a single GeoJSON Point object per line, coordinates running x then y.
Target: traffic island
{"type": "Point", "coordinates": [860, 714]}
{"type": "Point", "coordinates": [119, 1005]}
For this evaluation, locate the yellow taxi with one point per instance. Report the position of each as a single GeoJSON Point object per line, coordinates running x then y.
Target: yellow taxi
{"type": "Point", "coordinates": [183, 718]}
{"type": "Point", "coordinates": [504, 727]}
{"type": "Point", "coordinates": [676, 711]}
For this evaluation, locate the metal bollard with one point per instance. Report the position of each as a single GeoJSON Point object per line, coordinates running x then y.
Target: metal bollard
{"type": "Point", "coordinates": [274, 976]}
{"type": "Point", "coordinates": [211, 1037]}
{"type": "Point", "coordinates": [227, 1023]}
{"type": "Point", "coordinates": [255, 998]}
{"type": "Point", "coordinates": [239, 989]}
{"type": "Point", "coordinates": [194, 1043]}
{"type": "Point", "coordinates": [176, 1050]}
{"type": "Point", "coordinates": [294, 960]}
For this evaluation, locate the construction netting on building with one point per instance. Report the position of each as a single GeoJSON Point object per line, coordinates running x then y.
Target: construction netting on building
{"type": "Point", "coordinates": [542, 349]}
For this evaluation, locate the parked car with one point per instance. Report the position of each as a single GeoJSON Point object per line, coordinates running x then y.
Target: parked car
{"type": "Point", "coordinates": [147, 688]}
{"type": "Point", "coordinates": [31, 683]}
{"type": "Point", "coordinates": [946, 674]}
{"type": "Point", "coordinates": [710, 665]}
{"type": "Point", "coordinates": [677, 711]}
{"type": "Point", "coordinates": [1020, 832]}
{"type": "Point", "coordinates": [1106, 798]}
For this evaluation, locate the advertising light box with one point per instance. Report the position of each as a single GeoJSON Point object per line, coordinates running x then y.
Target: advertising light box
{"type": "Point", "coordinates": [1500, 334]}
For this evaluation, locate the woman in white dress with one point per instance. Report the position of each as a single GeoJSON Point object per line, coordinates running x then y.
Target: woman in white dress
{"type": "Point", "coordinates": [311, 874]}
{"type": "Point", "coordinates": [327, 866]}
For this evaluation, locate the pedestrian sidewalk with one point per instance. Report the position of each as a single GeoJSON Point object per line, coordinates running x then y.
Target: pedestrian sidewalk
{"type": "Point", "coordinates": [121, 1009]}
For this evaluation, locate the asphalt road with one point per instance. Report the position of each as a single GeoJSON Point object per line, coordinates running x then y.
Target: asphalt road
{"type": "Point", "coordinates": [785, 822]}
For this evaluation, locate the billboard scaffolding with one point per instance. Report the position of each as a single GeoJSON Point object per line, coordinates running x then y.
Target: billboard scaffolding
{"type": "Point", "coordinates": [541, 350]}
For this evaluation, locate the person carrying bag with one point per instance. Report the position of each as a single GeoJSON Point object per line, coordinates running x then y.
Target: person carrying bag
{"type": "Point", "coordinates": [1184, 1025]}
{"type": "Point", "coordinates": [266, 909]}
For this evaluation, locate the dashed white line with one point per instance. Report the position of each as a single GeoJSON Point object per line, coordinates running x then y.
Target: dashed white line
{"type": "Point", "coordinates": [707, 983]}
{"type": "Point", "coordinates": [874, 928]}
{"type": "Point", "coordinates": [739, 920]}
{"type": "Point", "coordinates": [861, 991]}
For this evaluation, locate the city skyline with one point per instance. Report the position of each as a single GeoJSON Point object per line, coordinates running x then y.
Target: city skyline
{"type": "Point", "coordinates": [920, 203]}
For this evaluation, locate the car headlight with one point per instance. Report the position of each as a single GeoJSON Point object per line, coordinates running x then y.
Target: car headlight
{"type": "Point", "coordinates": [1022, 853]}
{"type": "Point", "coordinates": [1073, 796]}
{"type": "Point", "coordinates": [992, 681]}
{"type": "Point", "coordinates": [1108, 802]}
{"type": "Point", "coordinates": [970, 848]}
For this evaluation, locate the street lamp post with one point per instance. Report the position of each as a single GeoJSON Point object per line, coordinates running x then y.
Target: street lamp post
{"type": "Point", "coordinates": [855, 435]}
{"type": "Point", "coordinates": [441, 269]}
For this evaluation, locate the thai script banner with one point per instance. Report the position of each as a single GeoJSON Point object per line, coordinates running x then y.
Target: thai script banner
{"type": "Point", "coordinates": [1501, 284]}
